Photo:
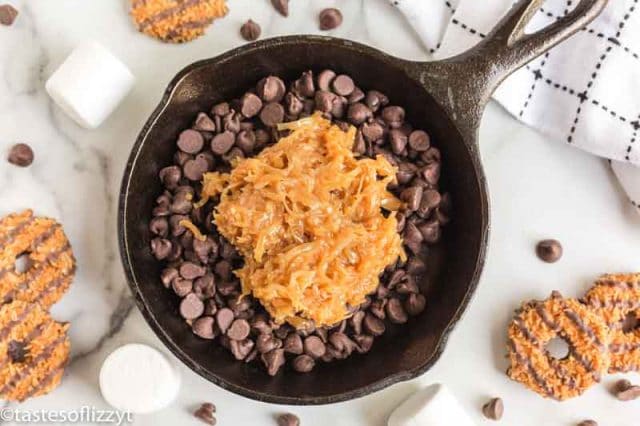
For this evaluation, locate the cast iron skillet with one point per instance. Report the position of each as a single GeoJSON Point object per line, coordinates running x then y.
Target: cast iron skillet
{"type": "Point", "coordinates": [446, 98]}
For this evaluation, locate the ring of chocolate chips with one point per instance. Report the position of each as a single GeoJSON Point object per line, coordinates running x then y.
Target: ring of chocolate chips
{"type": "Point", "coordinates": [199, 271]}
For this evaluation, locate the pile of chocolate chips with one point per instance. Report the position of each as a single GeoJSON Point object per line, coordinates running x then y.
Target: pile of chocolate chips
{"type": "Point", "coordinates": [200, 272]}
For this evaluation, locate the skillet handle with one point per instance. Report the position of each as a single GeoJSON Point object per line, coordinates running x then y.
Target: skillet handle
{"type": "Point", "coordinates": [463, 84]}
{"type": "Point", "coordinates": [509, 47]}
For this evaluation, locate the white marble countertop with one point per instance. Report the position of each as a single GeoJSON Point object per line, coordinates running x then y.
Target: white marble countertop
{"type": "Point", "coordinates": [539, 188]}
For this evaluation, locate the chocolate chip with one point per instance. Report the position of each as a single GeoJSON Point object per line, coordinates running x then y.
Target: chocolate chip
{"type": "Point", "coordinates": [222, 143]}
{"type": "Point", "coordinates": [266, 343]}
{"type": "Point", "coordinates": [271, 89]}
{"type": "Point", "coordinates": [324, 80]}
{"type": "Point", "coordinates": [241, 348]}
{"type": "Point", "coordinates": [293, 344]}
{"type": "Point", "coordinates": [313, 346]}
{"type": "Point", "coordinates": [395, 311]}
{"type": "Point", "coordinates": [625, 391]}
{"type": "Point", "coordinates": [415, 304]}
{"type": "Point", "coordinates": [393, 116]}
{"type": "Point", "coordinates": [239, 330]}
{"type": "Point", "coordinates": [272, 114]}
{"type": "Point", "coordinates": [190, 271]}
{"type": "Point", "coordinates": [288, 419]}
{"type": "Point", "coordinates": [588, 423]}
{"type": "Point", "coordinates": [293, 104]}
{"type": "Point", "coordinates": [343, 85]}
{"type": "Point", "coordinates": [358, 113]}
{"type": "Point", "coordinates": [8, 14]}
{"type": "Point", "coordinates": [246, 141]}
{"type": "Point", "coordinates": [412, 197]}
{"type": "Point", "coordinates": [234, 154]}
{"type": "Point", "coordinates": [303, 363]}
{"type": "Point", "coordinates": [205, 286]}
{"type": "Point", "coordinates": [224, 318]}
{"type": "Point", "coordinates": [419, 140]}
{"type": "Point", "coordinates": [330, 19]}
{"type": "Point", "coordinates": [205, 415]}
{"type": "Point", "coordinates": [282, 6]}
{"type": "Point", "coordinates": [190, 141]}
{"type": "Point", "coordinates": [17, 351]}
{"type": "Point", "coordinates": [372, 132]}
{"type": "Point", "coordinates": [549, 251]}
{"type": "Point", "coordinates": [398, 141]}
{"type": "Point", "coordinates": [373, 325]}
{"type": "Point", "coordinates": [365, 342]}
{"type": "Point", "coordinates": [407, 286]}
{"type": "Point", "coordinates": [161, 248]}
{"type": "Point", "coordinates": [431, 173]}
{"type": "Point", "coordinates": [342, 344]}
{"type": "Point", "coordinates": [191, 307]}
{"type": "Point", "coordinates": [356, 96]}
{"type": "Point", "coordinates": [204, 123]}
{"type": "Point", "coordinates": [20, 155]}
{"type": "Point", "coordinates": [250, 30]}
{"type": "Point", "coordinates": [194, 169]}
{"type": "Point", "coordinates": [159, 226]}
{"type": "Point", "coordinates": [170, 176]}
{"type": "Point", "coordinates": [181, 287]}
{"type": "Point", "coordinates": [250, 105]}
{"type": "Point", "coordinates": [203, 327]}
{"type": "Point", "coordinates": [493, 409]}
{"type": "Point", "coordinates": [273, 361]}
{"type": "Point", "coordinates": [356, 321]}
{"type": "Point", "coordinates": [168, 275]}
{"type": "Point", "coordinates": [221, 109]}
{"type": "Point", "coordinates": [375, 100]}
{"type": "Point", "coordinates": [324, 101]}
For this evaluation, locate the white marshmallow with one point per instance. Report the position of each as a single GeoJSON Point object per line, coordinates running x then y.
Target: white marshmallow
{"type": "Point", "coordinates": [90, 84]}
{"type": "Point", "coordinates": [432, 406]}
{"type": "Point", "coordinates": [138, 379]}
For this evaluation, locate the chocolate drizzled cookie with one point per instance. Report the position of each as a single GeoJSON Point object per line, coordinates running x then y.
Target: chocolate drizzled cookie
{"type": "Point", "coordinates": [539, 322]}
{"type": "Point", "coordinates": [34, 350]}
{"type": "Point", "coordinates": [50, 264]}
{"type": "Point", "coordinates": [616, 298]}
{"type": "Point", "coordinates": [176, 21]}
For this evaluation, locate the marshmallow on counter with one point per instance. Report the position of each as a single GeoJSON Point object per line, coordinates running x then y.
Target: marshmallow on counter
{"type": "Point", "coordinates": [139, 379]}
{"type": "Point", "coordinates": [432, 406]}
{"type": "Point", "coordinates": [90, 84]}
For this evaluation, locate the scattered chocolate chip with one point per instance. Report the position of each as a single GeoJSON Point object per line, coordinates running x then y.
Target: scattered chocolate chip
{"type": "Point", "coordinates": [330, 19]}
{"type": "Point", "coordinates": [272, 114]}
{"type": "Point", "coordinates": [493, 409]}
{"type": "Point", "coordinates": [293, 344]}
{"type": "Point", "coordinates": [415, 304]}
{"type": "Point", "coordinates": [250, 105]}
{"type": "Point", "coordinates": [222, 143]}
{"type": "Point", "coordinates": [314, 347]}
{"type": "Point", "coordinates": [161, 248]}
{"type": "Point", "coordinates": [190, 141]}
{"type": "Point", "coordinates": [239, 329]}
{"type": "Point", "coordinates": [549, 251]}
{"type": "Point", "coordinates": [205, 413]}
{"type": "Point", "coordinates": [373, 325]}
{"type": "Point", "coordinates": [191, 307]}
{"type": "Point", "coordinates": [273, 361]}
{"type": "Point", "coordinates": [625, 391]}
{"type": "Point", "coordinates": [325, 78]}
{"type": "Point", "coordinates": [282, 6]}
{"type": "Point", "coordinates": [358, 113]}
{"type": "Point", "coordinates": [204, 123]}
{"type": "Point", "coordinates": [588, 423]}
{"type": "Point", "coordinates": [190, 270]}
{"type": "Point", "coordinates": [288, 419]}
{"type": "Point", "coordinates": [375, 100]}
{"type": "Point", "coordinates": [271, 89]}
{"type": "Point", "coordinates": [395, 311]}
{"type": "Point", "coordinates": [203, 327]}
{"type": "Point", "coordinates": [8, 14]}
{"type": "Point", "coordinates": [20, 155]}
{"type": "Point", "coordinates": [419, 140]}
{"type": "Point", "coordinates": [343, 85]}
{"type": "Point", "coordinates": [412, 196]}
{"type": "Point", "coordinates": [250, 30]}
{"type": "Point", "coordinates": [224, 318]}
{"type": "Point", "coordinates": [241, 348]}
{"type": "Point", "coordinates": [393, 116]}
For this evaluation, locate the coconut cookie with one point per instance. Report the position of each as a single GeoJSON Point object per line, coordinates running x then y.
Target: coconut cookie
{"type": "Point", "coordinates": [49, 262]}
{"type": "Point", "coordinates": [616, 298]}
{"type": "Point", "coordinates": [34, 349]}
{"type": "Point", "coordinates": [176, 21]}
{"type": "Point", "coordinates": [535, 325]}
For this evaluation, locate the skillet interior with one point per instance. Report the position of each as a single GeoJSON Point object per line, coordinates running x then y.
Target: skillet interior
{"type": "Point", "coordinates": [402, 353]}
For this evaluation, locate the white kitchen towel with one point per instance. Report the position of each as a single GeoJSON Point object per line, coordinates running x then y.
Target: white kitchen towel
{"type": "Point", "coordinates": [584, 92]}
